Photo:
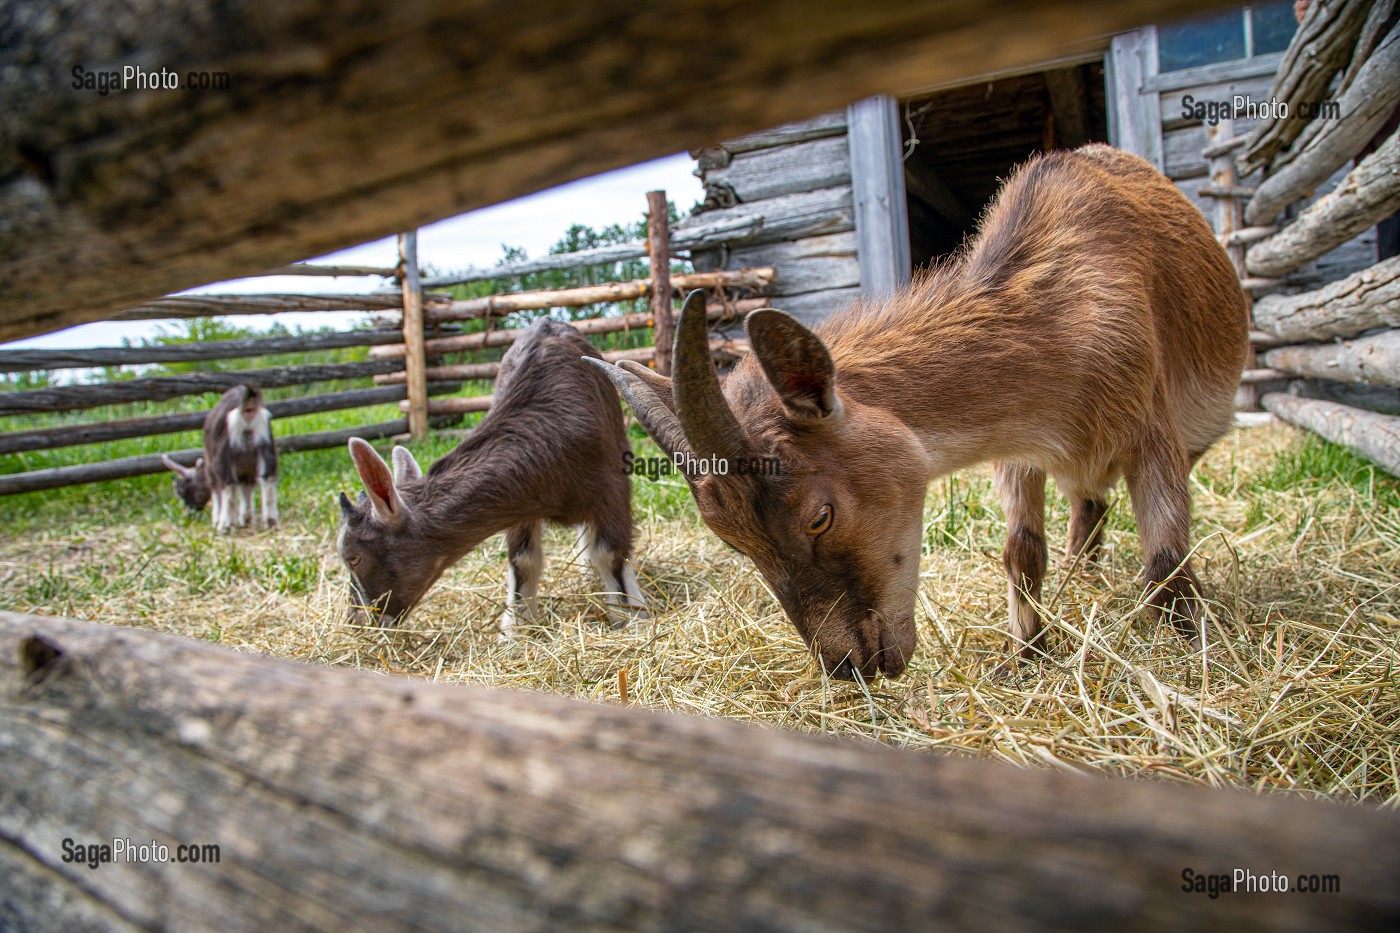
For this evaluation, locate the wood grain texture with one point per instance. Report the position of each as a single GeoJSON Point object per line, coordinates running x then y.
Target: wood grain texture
{"type": "Point", "coordinates": [1369, 193]}
{"type": "Point", "coordinates": [13, 361]}
{"type": "Point", "coordinates": [1326, 145]}
{"type": "Point", "coordinates": [1374, 359]}
{"type": "Point", "coordinates": [1374, 436]}
{"type": "Point", "coordinates": [347, 120]}
{"type": "Point", "coordinates": [1360, 302]}
{"type": "Point", "coordinates": [1320, 48]}
{"type": "Point", "coordinates": [345, 799]}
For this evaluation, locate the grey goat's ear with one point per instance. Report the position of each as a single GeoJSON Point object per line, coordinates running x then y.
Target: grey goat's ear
{"type": "Point", "coordinates": [389, 508]}
{"type": "Point", "coordinates": [405, 466]}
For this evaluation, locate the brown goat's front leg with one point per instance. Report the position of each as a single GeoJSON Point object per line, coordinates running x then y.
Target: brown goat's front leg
{"type": "Point", "coordinates": [1162, 502]}
{"type": "Point", "coordinates": [1022, 492]}
{"type": "Point", "coordinates": [1086, 521]}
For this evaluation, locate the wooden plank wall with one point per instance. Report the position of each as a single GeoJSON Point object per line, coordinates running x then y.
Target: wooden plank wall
{"type": "Point", "coordinates": [787, 192]}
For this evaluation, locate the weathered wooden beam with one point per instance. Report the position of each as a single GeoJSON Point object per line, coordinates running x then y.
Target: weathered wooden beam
{"type": "Point", "coordinates": [80, 474]}
{"type": "Point", "coordinates": [415, 359]}
{"type": "Point", "coordinates": [186, 306]}
{"type": "Point", "coordinates": [1320, 48]}
{"type": "Point", "coordinates": [344, 799]}
{"type": "Point", "coordinates": [132, 195]}
{"type": "Point", "coordinates": [1326, 145]}
{"type": "Point", "coordinates": [471, 371]}
{"type": "Point", "coordinates": [1245, 236]}
{"type": "Point", "coordinates": [302, 268]}
{"type": "Point", "coordinates": [1360, 302]}
{"type": "Point", "coordinates": [659, 257]}
{"type": "Point", "coordinates": [1369, 193]}
{"type": "Point", "coordinates": [1379, 21]}
{"type": "Point", "coordinates": [159, 388]}
{"type": "Point", "coordinates": [501, 305]}
{"type": "Point", "coordinates": [76, 434]}
{"type": "Point", "coordinates": [1374, 436]}
{"type": "Point", "coordinates": [12, 361]}
{"type": "Point", "coordinates": [598, 325]}
{"type": "Point", "coordinates": [1374, 359]}
{"type": "Point", "coordinates": [1228, 220]}
{"type": "Point", "coordinates": [789, 169]}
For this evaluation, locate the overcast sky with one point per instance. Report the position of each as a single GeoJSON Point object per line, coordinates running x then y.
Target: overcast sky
{"type": "Point", "coordinates": [475, 239]}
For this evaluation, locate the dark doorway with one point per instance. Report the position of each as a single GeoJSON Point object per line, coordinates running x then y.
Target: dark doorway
{"type": "Point", "coordinates": [961, 142]}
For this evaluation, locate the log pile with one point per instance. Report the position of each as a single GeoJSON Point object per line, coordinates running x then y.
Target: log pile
{"type": "Point", "coordinates": [1337, 345]}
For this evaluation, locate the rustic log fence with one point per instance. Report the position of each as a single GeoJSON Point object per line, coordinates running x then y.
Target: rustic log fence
{"type": "Point", "coordinates": [341, 799]}
{"type": "Point", "coordinates": [1320, 365]}
{"type": "Point", "coordinates": [414, 328]}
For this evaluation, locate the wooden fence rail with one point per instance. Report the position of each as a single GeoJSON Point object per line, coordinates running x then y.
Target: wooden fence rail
{"type": "Point", "coordinates": [188, 306]}
{"type": "Point", "coordinates": [342, 799]}
{"type": "Point", "coordinates": [160, 388]}
{"type": "Point", "coordinates": [12, 361]}
{"type": "Point", "coordinates": [56, 477]}
{"type": "Point", "coordinates": [76, 434]}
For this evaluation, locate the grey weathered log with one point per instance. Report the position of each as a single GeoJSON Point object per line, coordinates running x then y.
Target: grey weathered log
{"type": "Point", "coordinates": [343, 799]}
{"type": "Point", "coordinates": [1360, 302]}
{"type": "Point", "coordinates": [1368, 194]}
{"type": "Point", "coordinates": [12, 361]}
{"type": "Point", "coordinates": [1320, 48]}
{"type": "Point", "coordinates": [1326, 145]}
{"type": "Point", "coordinates": [800, 131]}
{"type": "Point", "coordinates": [1374, 436]}
{"type": "Point", "coordinates": [1383, 15]}
{"type": "Point", "coordinates": [1374, 359]}
{"type": "Point", "coordinates": [1382, 399]}
{"type": "Point", "coordinates": [159, 388]}
{"type": "Point", "coordinates": [76, 434]}
{"type": "Point", "coordinates": [129, 196]}
{"type": "Point", "coordinates": [186, 306]}
{"type": "Point", "coordinates": [790, 169]}
{"type": "Point", "coordinates": [80, 474]}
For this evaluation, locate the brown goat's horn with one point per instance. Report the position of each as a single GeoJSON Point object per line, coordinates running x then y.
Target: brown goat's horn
{"type": "Point", "coordinates": [701, 407]}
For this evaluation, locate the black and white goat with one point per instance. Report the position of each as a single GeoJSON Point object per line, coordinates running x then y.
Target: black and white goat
{"type": "Point", "coordinates": [239, 453]}
{"type": "Point", "coordinates": [550, 449]}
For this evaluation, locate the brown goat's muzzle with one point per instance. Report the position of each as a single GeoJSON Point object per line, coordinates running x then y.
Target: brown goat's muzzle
{"type": "Point", "coordinates": [879, 648]}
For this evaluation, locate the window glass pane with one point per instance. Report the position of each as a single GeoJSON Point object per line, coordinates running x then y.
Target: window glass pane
{"type": "Point", "coordinates": [1274, 25]}
{"type": "Point", "coordinates": [1217, 37]}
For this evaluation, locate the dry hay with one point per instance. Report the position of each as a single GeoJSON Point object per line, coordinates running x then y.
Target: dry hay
{"type": "Point", "coordinates": [1299, 690]}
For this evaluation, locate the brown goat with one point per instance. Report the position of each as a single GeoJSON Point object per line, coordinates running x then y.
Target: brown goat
{"type": "Point", "coordinates": [239, 453]}
{"type": "Point", "coordinates": [550, 449]}
{"type": "Point", "coordinates": [1093, 329]}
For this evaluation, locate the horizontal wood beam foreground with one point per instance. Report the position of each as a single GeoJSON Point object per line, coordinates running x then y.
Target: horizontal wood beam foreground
{"type": "Point", "coordinates": [342, 799]}
{"type": "Point", "coordinates": [346, 120]}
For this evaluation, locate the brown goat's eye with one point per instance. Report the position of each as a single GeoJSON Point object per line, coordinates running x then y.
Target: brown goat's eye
{"type": "Point", "coordinates": [821, 522]}
{"type": "Point", "coordinates": [353, 560]}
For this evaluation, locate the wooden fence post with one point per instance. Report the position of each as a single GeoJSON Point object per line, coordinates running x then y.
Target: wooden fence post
{"type": "Point", "coordinates": [415, 357]}
{"type": "Point", "coordinates": [659, 249]}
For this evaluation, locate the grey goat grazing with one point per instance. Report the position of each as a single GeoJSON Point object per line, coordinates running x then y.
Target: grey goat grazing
{"type": "Point", "coordinates": [550, 449]}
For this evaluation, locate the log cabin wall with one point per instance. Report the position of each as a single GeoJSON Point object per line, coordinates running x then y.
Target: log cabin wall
{"type": "Point", "coordinates": [786, 195]}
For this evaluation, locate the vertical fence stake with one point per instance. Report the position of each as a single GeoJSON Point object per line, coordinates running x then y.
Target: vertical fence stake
{"type": "Point", "coordinates": [415, 359]}
{"type": "Point", "coordinates": [659, 249]}
{"type": "Point", "coordinates": [1229, 217]}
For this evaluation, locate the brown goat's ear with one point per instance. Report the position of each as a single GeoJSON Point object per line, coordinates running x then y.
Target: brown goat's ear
{"type": "Point", "coordinates": [379, 483]}
{"type": "Point", "coordinates": [405, 466]}
{"type": "Point", "coordinates": [796, 363]}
